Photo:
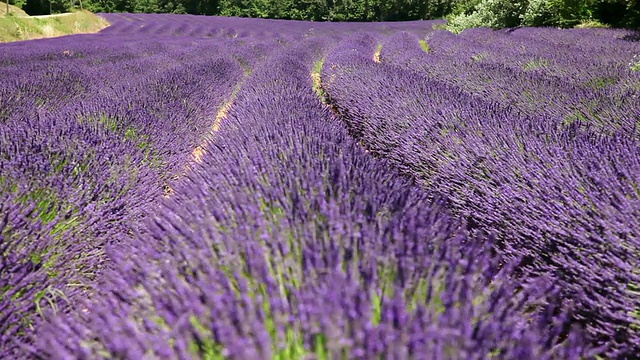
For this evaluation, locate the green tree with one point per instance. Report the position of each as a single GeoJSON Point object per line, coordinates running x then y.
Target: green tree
{"type": "Point", "coordinates": [563, 13]}
{"type": "Point", "coordinates": [461, 14]}
{"type": "Point", "coordinates": [144, 6]}
{"type": "Point", "coordinates": [618, 12]}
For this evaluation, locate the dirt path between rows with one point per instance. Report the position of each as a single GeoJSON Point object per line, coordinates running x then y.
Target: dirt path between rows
{"type": "Point", "coordinates": [200, 150]}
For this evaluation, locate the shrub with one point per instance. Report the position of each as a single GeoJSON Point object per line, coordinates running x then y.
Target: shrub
{"type": "Point", "coordinates": [499, 14]}
{"type": "Point", "coordinates": [461, 22]}
{"type": "Point", "coordinates": [562, 13]}
{"type": "Point", "coordinates": [634, 65]}
{"type": "Point", "coordinates": [491, 13]}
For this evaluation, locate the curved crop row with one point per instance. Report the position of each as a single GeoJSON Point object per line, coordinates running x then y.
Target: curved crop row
{"type": "Point", "coordinates": [80, 159]}
{"type": "Point", "coordinates": [290, 240]}
{"type": "Point", "coordinates": [563, 201]}
{"type": "Point", "coordinates": [478, 199]}
{"type": "Point", "coordinates": [535, 82]}
{"type": "Point", "coordinates": [195, 27]}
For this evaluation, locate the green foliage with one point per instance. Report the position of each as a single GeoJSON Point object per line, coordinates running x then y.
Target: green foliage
{"type": "Point", "coordinates": [495, 14]}
{"type": "Point", "coordinates": [480, 56]}
{"type": "Point", "coordinates": [591, 24]}
{"type": "Point", "coordinates": [559, 13]}
{"type": "Point", "coordinates": [462, 14]}
{"type": "Point", "coordinates": [600, 82]}
{"type": "Point", "coordinates": [500, 13]}
{"type": "Point", "coordinates": [145, 6]}
{"type": "Point", "coordinates": [204, 345]}
{"type": "Point", "coordinates": [424, 46]}
{"type": "Point", "coordinates": [52, 297]}
{"type": "Point", "coordinates": [618, 13]}
{"type": "Point", "coordinates": [316, 77]}
{"type": "Point", "coordinates": [460, 22]}
{"type": "Point", "coordinates": [317, 10]}
{"type": "Point", "coordinates": [634, 65]}
{"type": "Point", "coordinates": [536, 64]}
{"type": "Point", "coordinates": [47, 203]}
{"type": "Point", "coordinates": [562, 13]}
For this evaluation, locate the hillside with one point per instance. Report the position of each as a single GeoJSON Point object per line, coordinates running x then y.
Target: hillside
{"type": "Point", "coordinates": [20, 26]}
{"type": "Point", "coordinates": [13, 10]}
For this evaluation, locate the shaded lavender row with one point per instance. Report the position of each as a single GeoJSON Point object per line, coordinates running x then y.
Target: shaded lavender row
{"type": "Point", "coordinates": [601, 54]}
{"type": "Point", "coordinates": [597, 94]}
{"type": "Point", "coordinates": [289, 240]}
{"type": "Point", "coordinates": [86, 146]}
{"type": "Point", "coordinates": [196, 27]}
{"type": "Point", "coordinates": [563, 201]}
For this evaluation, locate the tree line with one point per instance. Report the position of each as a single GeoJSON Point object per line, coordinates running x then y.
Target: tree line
{"type": "Point", "coordinates": [460, 13]}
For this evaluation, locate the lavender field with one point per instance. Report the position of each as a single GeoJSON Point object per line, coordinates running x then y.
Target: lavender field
{"type": "Point", "coordinates": [189, 187]}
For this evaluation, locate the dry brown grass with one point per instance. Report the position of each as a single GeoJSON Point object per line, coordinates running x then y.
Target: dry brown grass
{"type": "Point", "coordinates": [13, 10]}
{"type": "Point", "coordinates": [198, 153]}
{"type": "Point", "coordinates": [222, 114]}
{"type": "Point", "coordinates": [14, 28]}
{"type": "Point", "coordinates": [376, 55]}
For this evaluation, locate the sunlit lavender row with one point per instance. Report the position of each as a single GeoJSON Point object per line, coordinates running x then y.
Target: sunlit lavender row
{"type": "Point", "coordinates": [190, 187]}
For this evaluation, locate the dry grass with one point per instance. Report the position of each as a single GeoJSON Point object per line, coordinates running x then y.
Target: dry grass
{"type": "Point", "coordinates": [316, 77]}
{"type": "Point", "coordinates": [591, 24]}
{"type": "Point", "coordinates": [222, 114]}
{"type": "Point", "coordinates": [14, 28]}
{"type": "Point", "coordinates": [48, 31]}
{"type": "Point", "coordinates": [198, 153]}
{"type": "Point", "coordinates": [13, 10]}
{"type": "Point", "coordinates": [223, 111]}
{"type": "Point", "coordinates": [376, 55]}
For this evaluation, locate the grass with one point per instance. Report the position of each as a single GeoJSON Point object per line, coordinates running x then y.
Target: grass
{"type": "Point", "coordinates": [205, 346]}
{"type": "Point", "coordinates": [128, 134]}
{"type": "Point", "coordinates": [591, 24]}
{"type": "Point", "coordinates": [634, 65]}
{"type": "Point", "coordinates": [316, 76]}
{"type": "Point", "coordinates": [376, 55]}
{"type": "Point", "coordinates": [601, 82]}
{"type": "Point", "coordinates": [17, 28]}
{"type": "Point", "coordinates": [480, 56]}
{"type": "Point", "coordinates": [13, 10]}
{"type": "Point", "coordinates": [424, 46]}
{"type": "Point", "coordinates": [536, 64]}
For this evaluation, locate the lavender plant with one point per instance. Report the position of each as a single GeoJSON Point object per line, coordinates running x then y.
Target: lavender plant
{"type": "Point", "coordinates": [206, 187]}
{"type": "Point", "coordinates": [560, 199]}
{"type": "Point", "coordinates": [289, 240]}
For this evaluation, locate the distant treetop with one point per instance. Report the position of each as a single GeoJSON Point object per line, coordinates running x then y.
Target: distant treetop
{"type": "Point", "coordinates": [461, 14]}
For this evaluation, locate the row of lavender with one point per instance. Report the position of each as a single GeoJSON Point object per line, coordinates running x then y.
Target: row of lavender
{"type": "Point", "coordinates": [562, 198]}
{"type": "Point", "coordinates": [90, 134]}
{"type": "Point", "coordinates": [584, 75]}
{"type": "Point", "coordinates": [195, 27]}
{"type": "Point", "coordinates": [289, 240]}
